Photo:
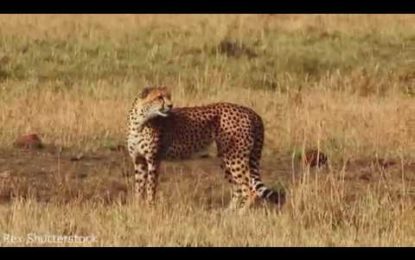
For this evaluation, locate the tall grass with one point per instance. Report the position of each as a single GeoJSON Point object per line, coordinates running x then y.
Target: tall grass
{"type": "Point", "coordinates": [343, 83]}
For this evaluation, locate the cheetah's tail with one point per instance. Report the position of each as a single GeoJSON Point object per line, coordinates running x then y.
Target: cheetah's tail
{"type": "Point", "coordinates": [265, 193]}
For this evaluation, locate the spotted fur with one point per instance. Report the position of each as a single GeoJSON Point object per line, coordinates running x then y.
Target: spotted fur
{"type": "Point", "coordinates": [158, 132]}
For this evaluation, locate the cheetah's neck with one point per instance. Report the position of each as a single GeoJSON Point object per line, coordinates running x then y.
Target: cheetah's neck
{"type": "Point", "coordinates": [136, 120]}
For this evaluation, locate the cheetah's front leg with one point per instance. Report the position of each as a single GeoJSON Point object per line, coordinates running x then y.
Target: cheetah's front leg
{"type": "Point", "coordinates": [152, 179]}
{"type": "Point", "coordinates": [140, 177]}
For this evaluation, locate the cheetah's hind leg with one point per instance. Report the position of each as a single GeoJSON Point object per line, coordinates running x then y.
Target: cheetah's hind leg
{"type": "Point", "coordinates": [235, 191]}
{"type": "Point", "coordinates": [241, 196]}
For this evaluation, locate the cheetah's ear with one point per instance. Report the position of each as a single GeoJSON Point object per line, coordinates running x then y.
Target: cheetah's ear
{"type": "Point", "coordinates": [165, 89]}
{"type": "Point", "coordinates": [144, 93]}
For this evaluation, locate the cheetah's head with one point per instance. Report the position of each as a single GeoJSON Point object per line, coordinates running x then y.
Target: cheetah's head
{"type": "Point", "coordinates": [154, 101]}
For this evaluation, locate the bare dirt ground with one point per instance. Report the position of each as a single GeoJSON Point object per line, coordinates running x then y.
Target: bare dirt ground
{"type": "Point", "coordinates": [59, 175]}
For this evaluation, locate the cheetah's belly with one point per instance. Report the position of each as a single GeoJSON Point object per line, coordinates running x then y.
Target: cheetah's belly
{"type": "Point", "coordinates": [187, 149]}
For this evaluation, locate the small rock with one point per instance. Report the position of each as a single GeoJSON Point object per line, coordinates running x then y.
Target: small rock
{"type": "Point", "coordinates": [385, 163]}
{"type": "Point", "coordinates": [30, 141]}
{"type": "Point", "coordinates": [4, 60]}
{"type": "Point", "coordinates": [82, 175]}
{"type": "Point", "coordinates": [77, 157]}
{"type": "Point", "coordinates": [233, 49]}
{"type": "Point", "coordinates": [366, 177]}
{"type": "Point", "coordinates": [310, 158]}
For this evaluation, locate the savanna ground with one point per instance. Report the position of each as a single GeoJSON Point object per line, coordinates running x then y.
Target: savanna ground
{"type": "Point", "coordinates": [342, 83]}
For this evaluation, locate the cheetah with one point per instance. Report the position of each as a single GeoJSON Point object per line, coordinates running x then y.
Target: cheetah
{"type": "Point", "coordinates": [157, 132]}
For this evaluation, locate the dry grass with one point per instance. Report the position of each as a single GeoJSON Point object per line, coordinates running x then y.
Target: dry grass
{"type": "Point", "coordinates": [343, 83]}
